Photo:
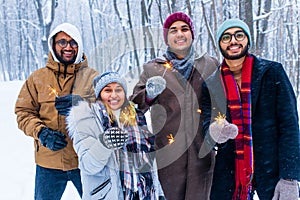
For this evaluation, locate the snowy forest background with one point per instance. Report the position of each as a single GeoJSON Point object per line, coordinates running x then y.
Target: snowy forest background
{"type": "Point", "coordinates": [123, 34]}
{"type": "Point", "coordinates": [120, 35]}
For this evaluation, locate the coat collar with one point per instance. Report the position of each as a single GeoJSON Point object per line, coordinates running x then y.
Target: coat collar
{"type": "Point", "coordinates": [60, 68]}
{"type": "Point", "coordinates": [217, 90]}
{"type": "Point", "coordinates": [259, 69]}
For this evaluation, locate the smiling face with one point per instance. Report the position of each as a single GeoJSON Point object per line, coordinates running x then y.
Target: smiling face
{"type": "Point", "coordinates": [180, 38]}
{"type": "Point", "coordinates": [234, 49]}
{"type": "Point", "coordinates": [113, 95]}
{"type": "Point", "coordinates": [67, 54]}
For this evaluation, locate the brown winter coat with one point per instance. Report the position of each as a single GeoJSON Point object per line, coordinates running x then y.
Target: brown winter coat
{"type": "Point", "coordinates": [35, 107]}
{"type": "Point", "coordinates": [183, 175]}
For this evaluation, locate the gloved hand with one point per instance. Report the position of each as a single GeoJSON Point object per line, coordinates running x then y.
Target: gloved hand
{"type": "Point", "coordinates": [113, 138]}
{"type": "Point", "coordinates": [155, 86]}
{"type": "Point", "coordinates": [63, 104]}
{"type": "Point", "coordinates": [161, 198]}
{"type": "Point", "coordinates": [286, 190]}
{"type": "Point", "coordinates": [221, 131]}
{"type": "Point", "coordinates": [51, 139]}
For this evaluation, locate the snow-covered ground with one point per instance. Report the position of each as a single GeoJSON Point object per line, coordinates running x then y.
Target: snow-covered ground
{"type": "Point", "coordinates": [17, 167]}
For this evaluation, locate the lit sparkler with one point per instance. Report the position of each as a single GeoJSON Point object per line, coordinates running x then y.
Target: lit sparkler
{"type": "Point", "coordinates": [167, 66]}
{"type": "Point", "coordinates": [128, 116]}
{"type": "Point", "coordinates": [53, 91]}
{"type": "Point", "coordinates": [170, 138]}
{"type": "Point", "coordinates": [220, 118]}
{"type": "Point", "coordinates": [199, 111]}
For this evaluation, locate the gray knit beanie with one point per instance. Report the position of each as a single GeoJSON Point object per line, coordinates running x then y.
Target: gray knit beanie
{"type": "Point", "coordinates": [231, 23]}
{"type": "Point", "coordinates": [106, 78]}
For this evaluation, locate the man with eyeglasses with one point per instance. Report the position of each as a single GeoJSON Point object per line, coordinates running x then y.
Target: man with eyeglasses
{"type": "Point", "coordinates": [250, 111]}
{"type": "Point", "coordinates": [42, 105]}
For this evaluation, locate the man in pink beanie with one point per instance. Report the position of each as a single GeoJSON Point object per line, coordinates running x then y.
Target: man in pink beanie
{"type": "Point", "coordinates": [178, 16]}
{"type": "Point", "coordinates": [171, 87]}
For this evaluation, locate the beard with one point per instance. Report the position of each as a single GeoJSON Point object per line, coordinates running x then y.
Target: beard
{"type": "Point", "coordinates": [235, 57]}
{"type": "Point", "coordinates": [62, 60]}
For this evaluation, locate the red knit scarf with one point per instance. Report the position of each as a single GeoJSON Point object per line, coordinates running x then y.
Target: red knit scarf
{"type": "Point", "coordinates": [239, 103]}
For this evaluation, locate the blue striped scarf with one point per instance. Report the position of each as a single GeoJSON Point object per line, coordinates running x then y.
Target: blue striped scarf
{"type": "Point", "coordinates": [183, 66]}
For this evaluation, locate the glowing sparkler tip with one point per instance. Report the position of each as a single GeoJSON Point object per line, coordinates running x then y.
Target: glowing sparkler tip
{"type": "Point", "coordinates": [168, 65]}
{"type": "Point", "coordinates": [199, 111]}
{"type": "Point", "coordinates": [53, 91]}
{"type": "Point", "coordinates": [220, 118]}
{"type": "Point", "coordinates": [170, 138]}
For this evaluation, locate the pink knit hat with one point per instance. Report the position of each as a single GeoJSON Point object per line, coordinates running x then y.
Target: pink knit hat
{"type": "Point", "coordinates": [177, 16]}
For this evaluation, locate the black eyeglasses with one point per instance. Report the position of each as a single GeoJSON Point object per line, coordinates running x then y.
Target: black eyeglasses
{"type": "Point", "coordinates": [64, 43]}
{"type": "Point", "coordinates": [239, 36]}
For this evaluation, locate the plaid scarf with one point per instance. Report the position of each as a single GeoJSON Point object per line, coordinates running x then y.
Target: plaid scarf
{"type": "Point", "coordinates": [136, 166]}
{"type": "Point", "coordinates": [134, 159]}
{"type": "Point", "coordinates": [239, 103]}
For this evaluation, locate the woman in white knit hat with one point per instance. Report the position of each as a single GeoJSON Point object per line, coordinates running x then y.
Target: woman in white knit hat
{"type": "Point", "coordinates": [115, 148]}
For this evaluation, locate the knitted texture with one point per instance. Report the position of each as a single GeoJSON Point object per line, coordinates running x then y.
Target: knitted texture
{"type": "Point", "coordinates": [232, 23]}
{"type": "Point", "coordinates": [106, 78]}
{"type": "Point", "coordinates": [286, 190]}
{"type": "Point", "coordinates": [155, 86]}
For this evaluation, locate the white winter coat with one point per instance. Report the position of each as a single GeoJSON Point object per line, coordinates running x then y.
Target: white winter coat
{"type": "Point", "coordinates": [98, 165]}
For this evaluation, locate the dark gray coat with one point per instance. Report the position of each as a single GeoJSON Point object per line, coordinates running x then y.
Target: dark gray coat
{"type": "Point", "coordinates": [275, 130]}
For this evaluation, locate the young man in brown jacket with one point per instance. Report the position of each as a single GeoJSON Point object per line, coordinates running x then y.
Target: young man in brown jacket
{"type": "Point", "coordinates": [171, 87]}
{"type": "Point", "coordinates": [43, 103]}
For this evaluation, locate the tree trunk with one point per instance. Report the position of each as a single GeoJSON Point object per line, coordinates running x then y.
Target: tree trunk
{"type": "Point", "coordinates": [211, 35]}
{"type": "Point", "coordinates": [20, 51]}
{"type": "Point", "coordinates": [92, 23]}
{"type": "Point", "coordinates": [261, 27]}
{"type": "Point", "coordinates": [133, 37]}
{"type": "Point", "coordinates": [147, 29]}
{"type": "Point", "coordinates": [45, 26]}
{"type": "Point", "coordinates": [189, 8]}
{"type": "Point", "coordinates": [7, 44]}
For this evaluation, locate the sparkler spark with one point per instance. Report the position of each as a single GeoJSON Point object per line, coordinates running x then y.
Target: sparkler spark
{"type": "Point", "coordinates": [220, 118]}
{"type": "Point", "coordinates": [127, 116]}
{"type": "Point", "coordinates": [53, 91]}
{"type": "Point", "coordinates": [170, 138]}
{"type": "Point", "coordinates": [167, 66]}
